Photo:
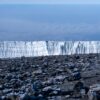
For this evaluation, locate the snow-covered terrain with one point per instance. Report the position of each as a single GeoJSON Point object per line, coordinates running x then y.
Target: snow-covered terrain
{"type": "Point", "coordinates": [43, 48]}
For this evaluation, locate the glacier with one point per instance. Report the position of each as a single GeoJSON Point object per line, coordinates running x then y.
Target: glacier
{"type": "Point", "coordinates": [11, 49]}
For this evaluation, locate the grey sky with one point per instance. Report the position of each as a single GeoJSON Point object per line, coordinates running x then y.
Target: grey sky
{"type": "Point", "coordinates": [52, 1]}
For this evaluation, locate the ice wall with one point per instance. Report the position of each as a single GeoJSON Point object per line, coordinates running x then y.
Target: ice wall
{"type": "Point", "coordinates": [43, 48]}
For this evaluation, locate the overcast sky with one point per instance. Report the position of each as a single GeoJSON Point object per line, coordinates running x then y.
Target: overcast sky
{"type": "Point", "coordinates": [52, 1]}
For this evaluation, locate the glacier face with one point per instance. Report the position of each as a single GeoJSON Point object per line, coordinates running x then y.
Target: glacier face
{"type": "Point", "coordinates": [9, 49]}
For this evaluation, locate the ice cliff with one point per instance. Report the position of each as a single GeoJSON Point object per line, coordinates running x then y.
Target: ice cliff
{"type": "Point", "coordinates": [43, 48]}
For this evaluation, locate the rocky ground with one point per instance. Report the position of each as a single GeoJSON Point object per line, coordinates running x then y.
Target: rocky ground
{"type": "Point", "coordinates": [49, 78]}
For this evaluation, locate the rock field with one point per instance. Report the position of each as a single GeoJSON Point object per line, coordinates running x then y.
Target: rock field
{"type": "Point", "coordinates": [49, 77]}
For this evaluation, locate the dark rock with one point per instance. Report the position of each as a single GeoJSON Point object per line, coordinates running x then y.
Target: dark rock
{"type": "Point", "coordinates": [47, 76]}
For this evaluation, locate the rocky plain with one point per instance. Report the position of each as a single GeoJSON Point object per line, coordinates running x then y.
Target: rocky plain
{"type": "Point", "coordinates": [67, 77]}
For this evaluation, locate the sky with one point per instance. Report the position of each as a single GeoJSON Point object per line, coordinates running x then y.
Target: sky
{"type": "Point", "coordinates": [29, 20]}
{"type": "Point", "coordinates": [52, 1]}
